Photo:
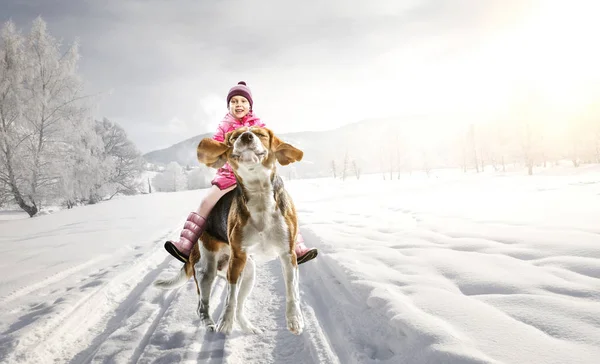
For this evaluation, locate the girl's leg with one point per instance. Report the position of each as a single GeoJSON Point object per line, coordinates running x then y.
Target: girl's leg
{"type": "Point", "coordinates": [210, 200]}
{"type": "Point", "coordinates": [194, 225]}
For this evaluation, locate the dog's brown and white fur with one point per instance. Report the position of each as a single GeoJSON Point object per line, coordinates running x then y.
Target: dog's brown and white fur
{"type": "Point", "coordinates": [258, 220]}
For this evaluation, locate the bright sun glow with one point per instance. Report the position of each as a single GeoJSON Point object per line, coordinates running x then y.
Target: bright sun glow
{"type": "Point", "coordinates": [545, 66]}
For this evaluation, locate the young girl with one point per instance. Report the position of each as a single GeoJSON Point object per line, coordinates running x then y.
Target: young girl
{"type": "Point", "coordinates": [239, 101]}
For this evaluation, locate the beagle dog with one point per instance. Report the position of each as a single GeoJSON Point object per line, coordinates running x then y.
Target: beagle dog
{"type": "Point", "coordinates": [254, 222]}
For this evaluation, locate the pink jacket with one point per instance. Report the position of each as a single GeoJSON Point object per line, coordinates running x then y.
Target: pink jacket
{"type": "Point", "coordinates": [225, 177]}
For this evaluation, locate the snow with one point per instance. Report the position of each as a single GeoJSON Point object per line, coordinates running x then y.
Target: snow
{"type": "Point", "coordinates": [454, 268]}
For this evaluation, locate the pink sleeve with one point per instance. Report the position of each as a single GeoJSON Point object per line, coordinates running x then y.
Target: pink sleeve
{"type": "Point", "coordinates": [220, 134]}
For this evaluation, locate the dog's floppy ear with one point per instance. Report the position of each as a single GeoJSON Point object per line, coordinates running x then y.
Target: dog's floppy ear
{"type": "Point", "coordinates": [284, 152]}
{"type": "Point", "coordinates": [212, 153]}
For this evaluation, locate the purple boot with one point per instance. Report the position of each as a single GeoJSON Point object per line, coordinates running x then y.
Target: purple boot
{"type": "Point", "coordinates": [192, 229]}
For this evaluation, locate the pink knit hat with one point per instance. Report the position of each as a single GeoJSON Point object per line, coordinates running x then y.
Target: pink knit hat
{"type": "Point", "coordinates": [240, 90]}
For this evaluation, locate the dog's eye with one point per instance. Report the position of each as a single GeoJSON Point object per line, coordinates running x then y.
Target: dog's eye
{"type": "Point", "coordinates": [261, 135]}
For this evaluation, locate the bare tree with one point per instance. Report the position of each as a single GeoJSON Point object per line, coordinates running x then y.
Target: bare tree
{"type": "Point", "coordinates": [426, 162]}
{"type": "Point", "coordinates": [464, 153]}
{"type": "Point", "coordinates": [290, 171]}
{"type": "Point", "coordinates": [345, 166]}
{"type": "Point", "coordinates": [597, 142]}
{"type": "Point", "coordinates": [584, 137]}
{"type": "Point", "coordinates": [356, 169]}
{"type": "Point", "coordinates": [500, 142]}
{"type": "Point", "coordinates": [381, 156]}
{"type": "Point", "coordinates": [399, 157]}
{"type": "Point", "coordinates": [392, 164]}
{"type": "Point", "coordinates": [473, 145]}
{"type": "Point", "coordinates": [333, 169]}
{"type": "Point", "coordinates": [391, 153]}
{"type": "Point", "coordinates": [528, 148]}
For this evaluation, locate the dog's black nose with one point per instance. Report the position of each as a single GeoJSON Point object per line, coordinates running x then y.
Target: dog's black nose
{"type": "Point", "coordinates": [247, 137]}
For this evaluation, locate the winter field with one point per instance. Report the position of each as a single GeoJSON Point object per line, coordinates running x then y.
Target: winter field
{"type": "Point", "coordinates": [448, 269]}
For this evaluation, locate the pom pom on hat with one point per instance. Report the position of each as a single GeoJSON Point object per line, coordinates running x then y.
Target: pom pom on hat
{"type": "Point", "coordinates": [241, 89]}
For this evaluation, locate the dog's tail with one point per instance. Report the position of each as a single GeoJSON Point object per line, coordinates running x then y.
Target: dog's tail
{"type": "Point", "coordinates": [179, 280]}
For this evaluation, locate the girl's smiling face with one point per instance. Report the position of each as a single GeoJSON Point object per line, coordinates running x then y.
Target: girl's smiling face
{"type": "Point", "coordinates": [239, 107]}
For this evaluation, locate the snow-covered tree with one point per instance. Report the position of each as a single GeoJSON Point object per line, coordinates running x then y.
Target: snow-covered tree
{"type": "Point", "coordinates": [199, 178]}
{"type": "Point", "coordinates": [5, 194]}
{"type": "Point", "coordinates": [40, 110]}
{"type": "Point", "coordinates": [122, 159]}
{"type": "Point", "coordinates": [82, 169]}
{"type": "Point", "coordinates": [171, 180]}
{"type": "Point", "coordinates": [97, 165]}
{"type": "Point", "coordinates": [13, 132]}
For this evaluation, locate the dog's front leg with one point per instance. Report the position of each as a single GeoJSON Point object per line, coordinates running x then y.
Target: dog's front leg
{"type": "Point", "coordinates": [236, 266]}
{"type": "Point", "coordinates": [293, 314]}
{"type": "Point", "coordinates": [207, 272]}
{"type": "Point", "coordinates": [246, 285]}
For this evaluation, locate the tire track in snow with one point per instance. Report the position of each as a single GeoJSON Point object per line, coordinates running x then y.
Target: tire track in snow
{"type": "Point", "coordinates": [73, 321]}
{"type": "Point", "coordinates": [357, 336]}
{"type": "Point", "coordinates": [265, 308]}
{"type": "Point", "coordinates": [162, 326]}
{"type": "Point", "coordinates": [179, 337]}
{"type": "Point", "coordinates": [67, 273]}
{"type": "Point", "coordinates": [123, 311]}
{"type": "Point", "coordinates": [139, 350]}
{"type": "Point", "coordinates": [128, 320]}
{"type": "Point", "coordinates": [51, 279]}
{"type": "Point", "coordinates": [212, 349]}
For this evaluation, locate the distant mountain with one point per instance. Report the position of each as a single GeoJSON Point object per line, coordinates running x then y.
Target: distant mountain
{"type": "Point", "coordinates": [183, 152]}
{"type": "Point", "coordinates": [372, 145]}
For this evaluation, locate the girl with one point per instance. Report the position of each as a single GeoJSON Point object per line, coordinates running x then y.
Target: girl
{"type": "Point", "coordinates": [239, 101]}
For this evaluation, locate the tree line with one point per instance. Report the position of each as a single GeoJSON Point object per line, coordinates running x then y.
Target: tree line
{"type": "Point", "coordinates": [51, 148]}
{"type": "Point", "coordinates": [526, 137]}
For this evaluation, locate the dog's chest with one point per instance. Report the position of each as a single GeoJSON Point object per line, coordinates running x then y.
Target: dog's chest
{"type": "Point", "coordinates": [266, 231]}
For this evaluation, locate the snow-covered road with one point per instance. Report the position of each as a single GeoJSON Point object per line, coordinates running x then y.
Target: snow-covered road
{"type": "Point", "coordinates": [455, 269]}
{"type": "Point", "coordinates": [109, 311]}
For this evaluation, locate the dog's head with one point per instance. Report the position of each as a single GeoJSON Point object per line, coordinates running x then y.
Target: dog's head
{"type": "Point", "coordinates": [248, 149]}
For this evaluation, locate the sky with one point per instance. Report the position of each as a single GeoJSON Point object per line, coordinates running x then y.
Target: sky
{"type": "Point", "coordinates": [162, 69]}
{"type": "Point", "coordinates": [457, 268]}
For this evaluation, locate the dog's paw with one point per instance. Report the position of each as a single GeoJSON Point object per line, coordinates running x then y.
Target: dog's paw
{"type": "Point", "coordinates": [209, 324]}
{"type": "Point", "coordinates": [225, 326]}
{"type": "Point", "coordinates": [295, 323]}
{"type": "Point", "coordinates": [206, 320]}
{"type": "Point", "coordinates": [247, 326]}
